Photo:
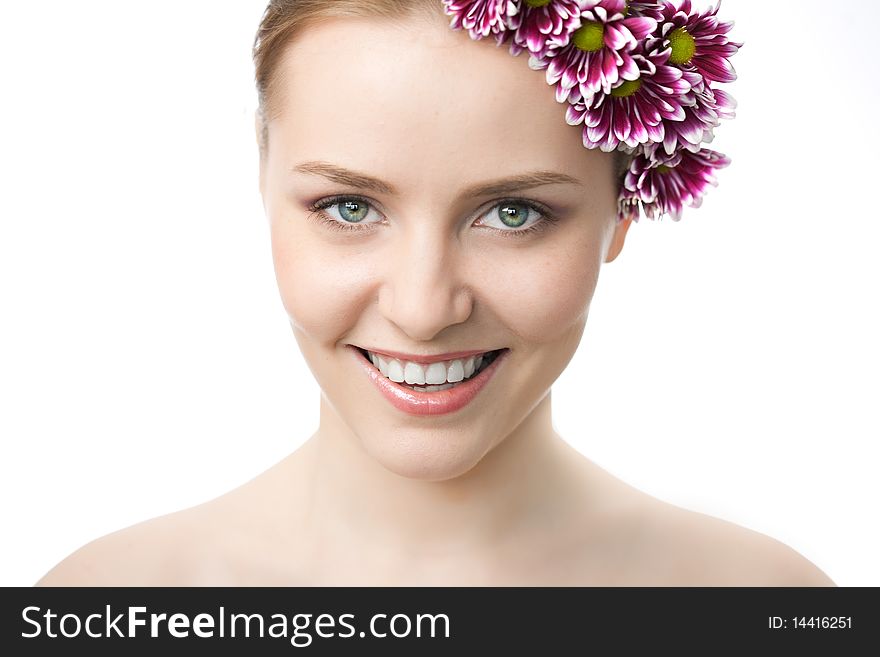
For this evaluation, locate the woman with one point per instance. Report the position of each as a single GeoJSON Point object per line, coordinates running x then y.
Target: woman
{"type": "Point", "coordinates": [437, 233]}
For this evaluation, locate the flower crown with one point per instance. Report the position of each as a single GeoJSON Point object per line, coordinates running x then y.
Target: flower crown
{"type": "Point", "coordinates": [637, 75]}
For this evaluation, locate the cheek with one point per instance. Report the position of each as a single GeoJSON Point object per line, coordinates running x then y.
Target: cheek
{"type": "Point", "coordinates": [321, 297]}
{"type": "Point", "coordinates": [545, 293]}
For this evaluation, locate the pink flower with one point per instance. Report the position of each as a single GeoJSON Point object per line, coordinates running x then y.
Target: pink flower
{"type": "Point", "coordinates": [698, 40]}
{"type": "Point", "coordinates": [637, 74]}
{"type": "Point", "coordinates": [645, 8]}
{"type": "Point", "coordinates": [636, 110]}
{"type": "Point", "coordinates": [596, 55]}
{"type": "Point", "coordinates": [537, 21]}
{"type": "Point", "coordinates": [704, 108]}
{"type": "Point", "coordinates": [663, 184]}
{"type": "Point", "coordinates": [480, 17]}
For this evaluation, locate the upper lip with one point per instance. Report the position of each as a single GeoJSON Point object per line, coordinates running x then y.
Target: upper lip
{"type": "Point", "coordinates": [426, 358]}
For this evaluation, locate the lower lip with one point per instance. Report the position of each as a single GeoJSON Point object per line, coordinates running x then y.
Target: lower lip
{"type": "Point", "coordinates": [429, 403]}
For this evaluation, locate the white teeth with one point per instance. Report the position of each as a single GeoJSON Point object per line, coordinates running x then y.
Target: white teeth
{"type": "Point", "coordinates": [414, 373]}
{"type": "Point", "coordinates": [435, 375]}
{"type": "Point", "coordinates": [395, 371]}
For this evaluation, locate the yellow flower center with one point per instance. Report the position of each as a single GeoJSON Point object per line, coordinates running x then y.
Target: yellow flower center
{"type": "Point", "coordinates": [628, 88]}
{"type": "Point", "coordinates": [589, 36]}
{"type": "Point", "coordinates": [537, 3]}
{"type": "Point", "coordinates": [683, 46]}
{"type": "Point", "coordinates": [663, 169]}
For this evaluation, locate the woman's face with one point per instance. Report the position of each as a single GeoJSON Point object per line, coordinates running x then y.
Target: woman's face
{"type": "Point", "coordinates": [408, 257]}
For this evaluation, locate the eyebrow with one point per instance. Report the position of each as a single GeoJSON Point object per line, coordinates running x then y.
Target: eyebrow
{"type": "Point", "coordinates": [495, 187]}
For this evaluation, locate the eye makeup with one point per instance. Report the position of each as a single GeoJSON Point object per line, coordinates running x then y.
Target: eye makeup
{"type": "Point", "coordinates": [318, 214]}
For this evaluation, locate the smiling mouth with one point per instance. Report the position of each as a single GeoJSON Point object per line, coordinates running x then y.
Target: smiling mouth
{"type": "Point", "coordinates": [434, 377]}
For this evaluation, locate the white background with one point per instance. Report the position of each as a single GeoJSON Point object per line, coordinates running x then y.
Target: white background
{"type": "Point", "coordinates": [729, 365]}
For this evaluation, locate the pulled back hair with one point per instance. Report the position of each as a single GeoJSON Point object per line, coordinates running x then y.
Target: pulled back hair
{"type": "Point", "coordinates": [283, 20]}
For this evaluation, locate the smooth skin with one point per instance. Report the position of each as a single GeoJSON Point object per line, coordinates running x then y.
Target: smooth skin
{"type": "Point", "coordinates": [491, 494]}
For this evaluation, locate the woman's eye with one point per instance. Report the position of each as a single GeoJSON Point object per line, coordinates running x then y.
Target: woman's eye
{"type": "Point", "coordinates": [348, 210]}
{"type": "Point", "coordinates": [513, 216]}
{"type": "Point", "coordinates": [518, 218]}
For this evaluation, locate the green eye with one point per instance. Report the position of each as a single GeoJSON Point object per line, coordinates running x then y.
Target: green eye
{"type": "Point", "coordinates": [513, 215]}
{"type": "Point", "coordinates": [516, 217]}
{"type": "Point", "coordinates": [343, 212]}
{"type": "Point", "coordinates": [353, 211]}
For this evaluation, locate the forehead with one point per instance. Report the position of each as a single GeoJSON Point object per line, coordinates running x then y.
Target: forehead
{"type": "Point", "coordinates": [417, 101]}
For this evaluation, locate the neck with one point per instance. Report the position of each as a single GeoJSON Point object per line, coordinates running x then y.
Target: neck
{"type": "Point", "coordinates": [520, 484]}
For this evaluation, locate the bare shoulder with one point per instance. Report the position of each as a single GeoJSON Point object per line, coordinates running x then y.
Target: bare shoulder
{"type": "Point", "coordinates": [650, 542]}
{"type": "Point", "coordinates": [234, 540]}
{"type": "Point", "coordinates": [170, 550]}
{"type": "Point", "coordinates": [709, 551]}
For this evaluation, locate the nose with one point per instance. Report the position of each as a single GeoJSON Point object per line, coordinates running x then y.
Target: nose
{"type": "Point", "coordinates": [425, 288]}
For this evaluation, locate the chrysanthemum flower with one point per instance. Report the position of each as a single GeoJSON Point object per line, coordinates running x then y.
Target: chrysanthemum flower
{"type": "Point", "coordinates": [637, 74]}
{"type": "Point", "coordinates": [664, 184]}
{"type": "Point", "coordinates": [480, 17]}
{"type": "Point", "coordinates": [699, 40]}
{"type": "Point", "coordinates": [704, 108]}
{"type": "Point", "coordinates": [598, 54]}
{"type": "Point", "coordinates": [635, 111]}
{"type": "Point", "coordinates": [539, 21]}
{"type": "Point", "coordinates": [645, 8]}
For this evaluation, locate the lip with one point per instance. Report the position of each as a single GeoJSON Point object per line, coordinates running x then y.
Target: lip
{"type": "Point", "coordinates": [429, 403]}
{"type": "Point", "coordinates": [426, 359]}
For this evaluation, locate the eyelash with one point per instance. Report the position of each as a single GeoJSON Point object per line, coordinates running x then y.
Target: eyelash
{"type": "Point", "coordinates": [546, 221]}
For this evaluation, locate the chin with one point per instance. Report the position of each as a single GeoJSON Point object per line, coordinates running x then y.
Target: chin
{"type": "Point", "coordinates": [425, 455]}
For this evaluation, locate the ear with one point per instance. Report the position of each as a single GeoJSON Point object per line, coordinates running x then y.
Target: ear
{"type": "Point", "coordinates": [617, 239]}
